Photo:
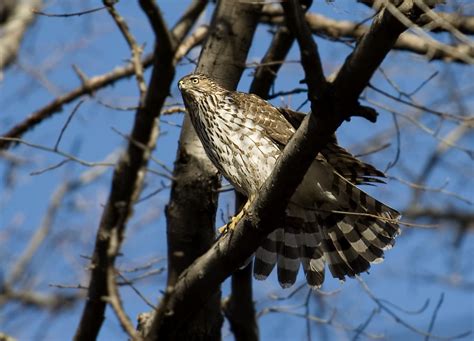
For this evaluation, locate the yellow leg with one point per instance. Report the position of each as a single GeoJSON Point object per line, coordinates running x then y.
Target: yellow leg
{"type": "Point", "coordinates": [232, 224]}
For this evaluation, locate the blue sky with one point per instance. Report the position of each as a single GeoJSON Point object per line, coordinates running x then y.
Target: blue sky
{"type": "Point", "coordinates": [423, 265]}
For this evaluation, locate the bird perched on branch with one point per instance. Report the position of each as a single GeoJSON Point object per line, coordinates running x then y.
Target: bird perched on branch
{"type": "Point", "coordinates": [328, 219]}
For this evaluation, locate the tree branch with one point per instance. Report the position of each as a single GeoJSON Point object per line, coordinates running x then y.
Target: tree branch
{"type": "Point", "coordinates": [343, 30]}
{"type": "Point", "coordinates": [193, 203]}
{"type": "Point", "coordinates": [19, 18]}
{"type": "Point", "coordinates": [463, 23]}
{"type": "Point", "coordinates": [126, 186]}
{"type": "Point", "coordinates": [136, 50]}
{"type": "Point", "coordinates": [201, 279]}
{"type": "Point", "coordinates": [239, 308]}
{"type": "Point", "coordinates": [90, 85]}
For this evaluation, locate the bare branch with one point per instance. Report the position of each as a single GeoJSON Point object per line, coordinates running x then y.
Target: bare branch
{"type": "Point", "coordinates": [426, 334]}
{"type": "Point", "coordinates": [115, 301]}
{"type": "Point", "coordinates": [126, 184]}
{"type": "Point", "coordinates": [92, 84]}
{"type": "Point", "coordinates": [463, 23]}
{"type": "Point", "coordinates": [346, 30]}
{"type": "Point", "coordinates": [239, 308]}
{"type": "Point", "coordinates": [63, 129]}
{"type": "Point", "coordinates": [14, 29]}
{"type": "Point", "coordinates": [136, 50]}
{"type": "Point", "coordinates": [67, 15]}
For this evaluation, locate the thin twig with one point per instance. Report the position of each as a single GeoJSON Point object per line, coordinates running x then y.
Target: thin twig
{"type": "Point", "coordinates": [67, 15]}
{"type": "Point", "coordinates": [63, 129]}
{"type": "Point", "coordinates": [433, 189]}
{"type": "Point", "coordinates": [401, 321]}
{"type": "Point", "coordinates": [130, 284]}
{"type": "Point", "coordinates": [51, 150]}
{"type": "Point", "coordinates": [134, 47]}
{"type": "Point", "coordinates": [433, 317]}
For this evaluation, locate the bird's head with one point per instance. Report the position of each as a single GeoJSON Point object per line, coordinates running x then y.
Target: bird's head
{"type": "Point", "coordinates": [197, 85]}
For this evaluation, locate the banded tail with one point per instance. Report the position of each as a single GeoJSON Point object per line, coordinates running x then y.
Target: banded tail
{"type": "Point", "coordinates": [348, 234]}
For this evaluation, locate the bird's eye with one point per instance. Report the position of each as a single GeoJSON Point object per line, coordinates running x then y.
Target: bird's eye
{"type": "Point", "coordinates": [195, 80]}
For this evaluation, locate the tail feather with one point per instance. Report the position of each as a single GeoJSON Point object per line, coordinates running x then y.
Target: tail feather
{"type": "Point", "coordinates": [374, 235]}
{"type": "Point", "coordinates": [363, 247]}
{"type": "Point", "coordinates": [362, 233]}
{"type": "Point", "coordinates": [349, 230]}
{"type": "Point", "coordinates": [348, 254]}
{"type": "Point", "coordinates": [288, 259]}
{"type": "Point", "coordinates": [288, 247]}
{"type": "Point", "coordinates": [313, 266]}
{"type": "Point", "coordinates": [337, 265]}
{"type": "Point", "coordinates": [351, 168]}
{"type": "Point", "coordinates": [266, 255]}
{"type": "Point", "coordinates": [312, 259]}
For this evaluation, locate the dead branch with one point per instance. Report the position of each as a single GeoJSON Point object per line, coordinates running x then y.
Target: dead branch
{"type": "Point", "coordinates": [92, 84]}
{"type": "Point", "coordinates": [135, 49]}
{"type": "Point", "coordinates": [343, 30]}
{"type": "Point", "coordinates": [128, 176]}
{"type": "Point", "coordinates": [19, 18]}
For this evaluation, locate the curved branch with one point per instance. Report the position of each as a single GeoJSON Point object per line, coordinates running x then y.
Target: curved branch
{"type": "Point", "coordinates": [348, 30]}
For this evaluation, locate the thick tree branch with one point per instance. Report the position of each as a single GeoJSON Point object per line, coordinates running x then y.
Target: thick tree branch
{"type": "Point", "coordinates": [463, 23]}
{"type": "Point", "coordinates": [201, 279]}
{"type": "Point", "coordinates": [239, 308]}
{"type": "Point", "coordinates": [192, 207]}
{"type": "Point", "coordinates": [126, 186]}
{"type": "Point", "coordinates": [347, 30]}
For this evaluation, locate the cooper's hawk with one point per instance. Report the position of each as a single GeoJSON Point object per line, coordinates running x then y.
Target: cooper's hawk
{"type": "Point", "coordinates": [328, 218]}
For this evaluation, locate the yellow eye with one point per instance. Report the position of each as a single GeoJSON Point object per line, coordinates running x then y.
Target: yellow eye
{"type": "Point", "coordinates": [195, 80]}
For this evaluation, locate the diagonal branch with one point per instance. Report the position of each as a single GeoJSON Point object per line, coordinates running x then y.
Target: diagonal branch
{"type": "Point", "coordinates": [347, 30]}
{"type": "Point", "coordinates": [239, 308]}
{"type": "Point", "coordinates": [200, 280]}
{"type": "Point", "coordinates": [462, 22]}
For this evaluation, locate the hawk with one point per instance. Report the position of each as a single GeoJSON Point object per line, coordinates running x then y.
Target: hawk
{"type": "Point", "coordinates": [328, 219]}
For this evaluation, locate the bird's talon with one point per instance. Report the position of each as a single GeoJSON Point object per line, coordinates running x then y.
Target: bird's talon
{"type": "Point", "coordinates": [232, 224]}
{"type": "Point", "coordinates": [223, 229]}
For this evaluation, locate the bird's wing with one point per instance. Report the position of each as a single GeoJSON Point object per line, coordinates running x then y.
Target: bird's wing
{"type": "Point", "coordinates": [265, 115]}
{"type": "Point", "coordinates": [346, 164]}
{"type": "Point", "coordinates": [280, 125]}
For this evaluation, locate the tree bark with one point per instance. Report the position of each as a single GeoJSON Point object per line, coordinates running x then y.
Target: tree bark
{"type": "Point", "coordinates": [192, 207]}
{"type": "Point", "coordinates": [128, 176]}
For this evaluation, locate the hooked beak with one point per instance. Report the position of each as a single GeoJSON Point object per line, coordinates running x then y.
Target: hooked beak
{"type": "Point", "coordinates": [180, 85]}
